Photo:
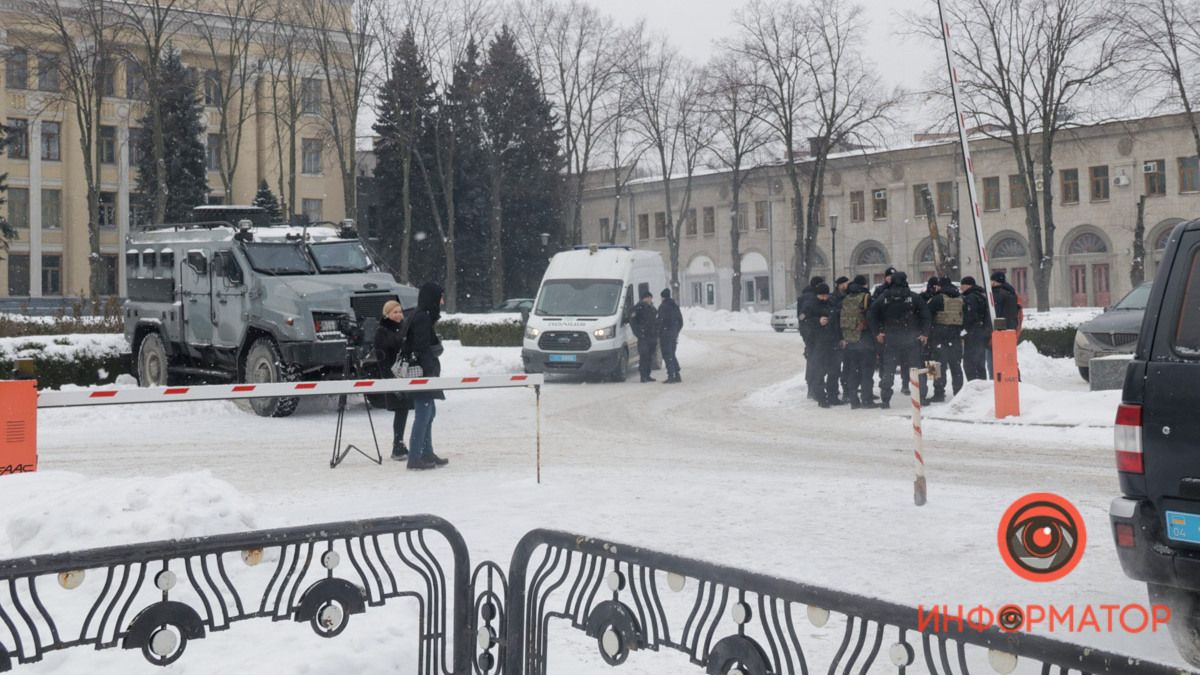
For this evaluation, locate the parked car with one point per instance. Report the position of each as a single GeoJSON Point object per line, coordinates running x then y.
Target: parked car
{"type": "Point", "coordinates": [1156, 521]}
{"type": "Point", "coordinates": [522, 305]}
{"type": "Point", "coordinates": [1113, 332]}
{"type": "Point", "coordinates": [785, 319]}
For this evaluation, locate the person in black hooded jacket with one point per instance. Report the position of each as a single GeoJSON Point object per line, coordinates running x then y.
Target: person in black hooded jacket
{"type": "Point", "coordinates": [946, 309]}
{"type": "Point", "coordinates": [900, 321]}
{"type": "Point", "coordinates": [807, 322]}
{"type": "Point", "coordinates": [389, 340]}
{"type": "Point", "coordinates": [1007, 305]}
{"type": "Point", "coordinates": [977, 323]}
{"type": "Point", "coordinates": [423, 345]}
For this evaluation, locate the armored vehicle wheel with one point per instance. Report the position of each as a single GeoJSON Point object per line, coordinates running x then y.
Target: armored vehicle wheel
{"type": "Point", "coordinates": [263, 365]}
{"type": "Point", "coordinates": [152, 362]}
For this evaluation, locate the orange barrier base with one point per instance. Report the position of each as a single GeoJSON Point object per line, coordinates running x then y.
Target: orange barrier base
{"type": "Point", "coordinates": [18, 426]}
{"type": "Point", "coordinates": [1007, 373]}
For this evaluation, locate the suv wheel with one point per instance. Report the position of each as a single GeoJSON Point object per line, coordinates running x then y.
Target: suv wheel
{"type": "Point", "coordinates": [1184, 625]}
{"type": "Point", "coordinates": [263, 365]}
{"type": "Point", "coordinates": [152, 362]}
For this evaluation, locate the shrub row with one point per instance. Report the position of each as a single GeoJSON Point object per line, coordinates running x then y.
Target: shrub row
{"type": "Point", "coordinates": [506, 334]}
{"type": "Point", "coordinates": [85, 370]}
{"type": "Point", "coordinates": [1056, 342]}
{"type": "Point", "coordinates": [59, 326]}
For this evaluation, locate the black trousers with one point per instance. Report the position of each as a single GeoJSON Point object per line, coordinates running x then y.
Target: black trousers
{"type": "Point", "coordinates": [950, 354]}
{"type": "Point", "coordinates": [646, 350]}
{"type": "Point", "coordinates": [901, 356]}
{"type": "Point", "coordinates": [858, 372]}
{"type": "Point", "coordinates": [399, 422]}
{"type": "Point", "coordinates": [975, 357]}
{"type": "Point", "coordinates": [667, 344]}
{"type": "Point", "coordinates": [823, 369]}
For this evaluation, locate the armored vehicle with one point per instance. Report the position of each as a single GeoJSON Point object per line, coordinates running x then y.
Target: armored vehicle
{"type": "Point", "coordinates": [232, 297]}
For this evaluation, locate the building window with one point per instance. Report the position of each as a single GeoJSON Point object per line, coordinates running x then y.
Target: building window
{"type": "Point", "coordinates": [18, 138]}
{"type": "Point", "coordinates": [604, 230]}
{"type": "Point", "coordinates": [1070, 186]}
{"type": "Point", "coordinates": [1189, 174]}
{"type": "Point", "coordinates": [139, 210]}
{"type": "Point", "coordinates": [217, 200]}
{"type": "Point", "coordinates": [311, 154]}
{"type": "Point", "coordinates": [16, 72]}
{"type": "Point", "coordinates": [108, 145]}
{"type": "Point", "coordinates": [108, 209]}
{"type": "Point", "coordinates": [312, 209]}
{"type": "Point", "coordinates": [764, 289]}
{"type": "Point", "coordinates": [48, 72]}
{"type": "Point", "coordinates": [108, 275]}
{"type": "Point", "coordinates": [690, 223]}
{"type": "Point", "coordinates": [857, 207]}
{"type": "Point", "coordinates": [18, 207]}
{"type": "Point", "coordinates": [991, 193]}
{"type": "Point", "coordinates": [108, 78]}
{"type": "Point", "coordinates": [945, 198]}
{"type": "Point", "coordinates": [660, 225]}
{"type": "Point", "coordinates": [643, 226]}
{"type": "Point", "coordinates": [1156, 177]}
{"type": "Point", "coordinates": [51, 209]}
{"type": "Point", "coordinates": [1098, 180]}
{"type": "Point", "coordinates": [748, 292]}
{"type": "Point", "coordinates": [51, 141]}
{"type": "Point", "coordinates": [879, 204]}
{"type": "Point", "coordinates": [18, 274]}
{"type": "Point", "coordinates": [743, 223]}
{"type": "Point", "coordinates": [212, 152]}
{"type": "Point", "coordinates": [212, 88]}
{"type": "Point", "coordinates": [310, 96]}
{"type": "Point", "coordinates": [51, 274]}
{"type": "Point", "coordinates": [919, 199]}
{"type": "Point", "coordinates": [135, 81]}
{"type": "Point", "coordinates": [1016, 192]}
{"type": "Point", "coordinates": [760, 215]}
{"type": "Point", "coordinates": [135, 146]}
{"type": "Point", "coordinates": [710, 220]}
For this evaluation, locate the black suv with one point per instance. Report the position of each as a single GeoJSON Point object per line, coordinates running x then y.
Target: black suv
{"type": "Point", "coordinates": [1157, 522]}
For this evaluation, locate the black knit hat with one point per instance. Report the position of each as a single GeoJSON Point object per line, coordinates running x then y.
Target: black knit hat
{"type": "Point", "coordinates": [999, 276]}
{"type": "Point", "coordinates": [645, 294]}
{"type": "Point", "coordinates": [842, 280]}
{"type": "Point", "coordinates": [945, 282]}
{"type": "Point", "coordinates": [967, 281]}
{"type": "Point", "coordinates": [816, 280]}
{"type": "Point", "coordinates": [860, 280]}
{"type": "Point", "coordinates": [889, 271]}
{"type": "Point", "coordinates": [822, 289]}
{"type": "Point", "coordinates": [666, 293]}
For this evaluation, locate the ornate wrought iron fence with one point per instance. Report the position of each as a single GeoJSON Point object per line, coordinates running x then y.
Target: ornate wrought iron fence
{"type": "Point", "coordinates": [157, 597]}
{"type": "Point", "coordinates": [177, 591]}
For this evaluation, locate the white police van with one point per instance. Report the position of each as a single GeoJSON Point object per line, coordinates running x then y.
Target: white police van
{"type": "Point", "coordinates": [580, 321]}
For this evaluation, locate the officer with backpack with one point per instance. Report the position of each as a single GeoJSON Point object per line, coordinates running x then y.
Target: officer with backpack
{"type": "Point", "coordinates": [945, 336]}
{"type": "Point", "coordinates": [856, 345]}
{"type": "Point", "coordinates": [899, 319]}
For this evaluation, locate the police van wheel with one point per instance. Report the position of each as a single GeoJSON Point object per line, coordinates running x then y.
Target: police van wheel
{"type": "Point", "coordinates": [263, 365]}
{"type": "Point", "coordinates": [622, 369]}
{"type": "Point", "coordinates": [152, 362]}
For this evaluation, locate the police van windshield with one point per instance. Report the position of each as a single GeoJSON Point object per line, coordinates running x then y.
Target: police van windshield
{"type": "Point", "coordinates": [283, 258]}
{"type": "Point", "coordinates": [339, 257]}
{"type": "Point", "coordinates": [579, 297]}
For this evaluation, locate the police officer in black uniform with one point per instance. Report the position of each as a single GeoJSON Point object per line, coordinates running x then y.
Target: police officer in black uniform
{"type": "Point", "coordinates": [857, 345]}
{"type": "Point", "coordinates": [945, 336]}
{"type": "Point", "coordinates": [899, 319]}
{"type": "Point", "coordinates": [645, 328]}
{"type": "Point", "coordinates": [670, 323]}
{"type": "Point", "coordinates": [977, 322]}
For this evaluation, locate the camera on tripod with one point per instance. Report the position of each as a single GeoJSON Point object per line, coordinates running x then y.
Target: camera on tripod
{"type": "Point", "coordinates": [353, 332]}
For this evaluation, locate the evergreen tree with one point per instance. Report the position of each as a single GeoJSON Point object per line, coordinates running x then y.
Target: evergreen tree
{"type": "Point", "coordinates": [183, 160]}
{"type": "Point", "coordinates": [7, 231]}
{"type": "Point", "coordinates": [406, 102]}
{"type": "Point", "coordinates": [266, 199]}
{"type": "Point", "coordinates": [520, 140]}
{"type": "Point", "coordinates": [470, 181]}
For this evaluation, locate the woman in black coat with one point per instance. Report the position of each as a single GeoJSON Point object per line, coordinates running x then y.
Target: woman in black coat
{"type": "Point", "coordinates": [388, 343]}
{"type": "Point", "coordinates": [425, 347]}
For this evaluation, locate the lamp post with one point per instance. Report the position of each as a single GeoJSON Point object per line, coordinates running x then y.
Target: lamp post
{"type": "Point", "coordinates": [833, 245]}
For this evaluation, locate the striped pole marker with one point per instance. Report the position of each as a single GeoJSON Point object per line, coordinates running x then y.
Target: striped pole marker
{"type": "Point", "coordinates": [914, 387]}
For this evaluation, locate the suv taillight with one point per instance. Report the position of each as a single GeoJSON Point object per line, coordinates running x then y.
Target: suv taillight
{"type": "Point", "coordinates": [1128, 439]}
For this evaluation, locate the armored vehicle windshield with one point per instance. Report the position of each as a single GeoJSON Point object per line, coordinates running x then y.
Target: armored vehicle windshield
{"type": "Point", "coordinates": [340, 257]}
{"type": "Point", "coordinates": [278, 258]}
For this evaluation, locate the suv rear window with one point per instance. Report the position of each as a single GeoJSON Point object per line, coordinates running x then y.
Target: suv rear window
{"type": "Point", "coordinates": [1187, 332]}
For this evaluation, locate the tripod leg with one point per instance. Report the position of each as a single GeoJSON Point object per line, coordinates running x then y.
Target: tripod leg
{"type": "Point", "coordinates": [378, 458]}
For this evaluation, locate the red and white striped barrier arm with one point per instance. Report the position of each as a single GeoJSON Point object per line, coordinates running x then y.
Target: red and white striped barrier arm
{"type": "Point", "coordinates": [914, 387]}
{"type": "Point", "coordinates": [222, 392]}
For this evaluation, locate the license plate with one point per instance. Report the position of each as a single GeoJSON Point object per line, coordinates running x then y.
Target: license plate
{"type": "Point", "coordinates": [1183, 527]}
{"type": "Point", "coordinates": [561, 358]}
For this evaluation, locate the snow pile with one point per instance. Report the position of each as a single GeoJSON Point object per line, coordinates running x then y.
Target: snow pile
{"type": "Point", "coordinates": [49, 320]}
{"type": "Point", "coordinates": [459, 360]}
{"type": "Point", "coordinates": [786, 394]}
{"type": "Point", "coordinates": [976, 403]}
{"type": "Point", "coordinates": [55, 511]}
{"type": "Point", "coordinates": [96, 345]}
{"type": "Point", "coordinates": [1060, 317]}
{"type": "Point", "coordinates": [700, 318]}
{"type": "Point", "coordinates": [1048, 372]}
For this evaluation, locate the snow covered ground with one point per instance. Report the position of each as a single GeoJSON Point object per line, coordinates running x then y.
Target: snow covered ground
{"type": "Point", "coordinates": [733, 466]}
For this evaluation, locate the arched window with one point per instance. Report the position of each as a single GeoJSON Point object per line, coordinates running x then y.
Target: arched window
{"type": "Point", "coordinates": [871, 255]}
{"type": "Point", "coordinates": [1088, 242]}
{"type": "Point", "coordinates": [1160, 244]}
{"type": "Point", "coordinates": [1009, 247]}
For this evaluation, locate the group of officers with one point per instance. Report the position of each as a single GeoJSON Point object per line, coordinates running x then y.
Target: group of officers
{"type": "Point", "coordinates": [851, 330]}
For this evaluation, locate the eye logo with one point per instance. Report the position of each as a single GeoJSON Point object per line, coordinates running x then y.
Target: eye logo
{"type": "Point", "coordinates": [1042, 537]}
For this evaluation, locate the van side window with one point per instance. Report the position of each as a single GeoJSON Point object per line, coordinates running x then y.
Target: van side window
{"type": "Point", "coordinates": [1187, 331]}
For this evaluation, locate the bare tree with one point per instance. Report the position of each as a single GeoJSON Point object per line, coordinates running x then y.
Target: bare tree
{"type": "Point", "coordinates": [229, 32]}
{"type": "Point", "coordinates": [346, 48]}
{"type": "Point", "coordinates": [287, 51]}
{"type": "Point", "coordinates": [153, 24]}
{"type": "Point", "coordinates": [574, 50]}
{"type": "Point", "coordinates": [77, 39]}
{"type": "Point", "coordinates": [1164, 36]}
{"type": "Point", "coordinates": [733, 95]}
{"type": "Point", "coordinates": [1026, 68]}
{"type": "Point", "coordinates": [626, 148]}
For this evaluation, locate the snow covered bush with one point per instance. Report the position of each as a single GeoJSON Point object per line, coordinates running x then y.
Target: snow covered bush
{"type": "Point", "coordinates": [1055, 342]}
{"type": "Point", "coordinates": [82, 360]}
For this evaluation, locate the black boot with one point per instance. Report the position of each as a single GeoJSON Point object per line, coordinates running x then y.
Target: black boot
{"type": "Point", "coordinates": [854, 404]}
{"type": "Point", "coordinates": [399, 450]}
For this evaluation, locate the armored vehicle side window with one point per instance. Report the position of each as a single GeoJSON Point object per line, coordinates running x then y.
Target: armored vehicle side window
{"type": "Point", "coordinates": [148, 257]}
{"type": "Point", "coordinates": [1187, 332]}
{"type": "Point", "coordinates": [166, 259]}
{"type": "Point", "coordinates": [225, 265]}
{"type": "Point", "coordinates": [133, 260]}
{"type": "Point", "coordinates": [198, 262]}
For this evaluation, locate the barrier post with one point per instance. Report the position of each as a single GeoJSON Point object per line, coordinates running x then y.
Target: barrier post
{"type": "Point", "coordinates": [18, 436]}
{"type": "Point", "coordinates": [1005, 368]}
{"type": "Point", "coordinates": [914, 388]}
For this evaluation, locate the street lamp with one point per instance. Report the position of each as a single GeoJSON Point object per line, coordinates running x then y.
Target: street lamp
{"type": "Point", "coordinates": [833, 245]}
